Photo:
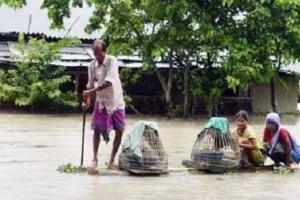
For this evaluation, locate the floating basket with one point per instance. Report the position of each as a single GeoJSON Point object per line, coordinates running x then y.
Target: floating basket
{"type": "Point", "coordinates": [215, 151]}
{"type": "Point", "coordinates": [153, 160]}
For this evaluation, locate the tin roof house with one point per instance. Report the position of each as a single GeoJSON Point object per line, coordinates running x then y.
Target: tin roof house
{"type": "Point", "coordinates": [77, 58]}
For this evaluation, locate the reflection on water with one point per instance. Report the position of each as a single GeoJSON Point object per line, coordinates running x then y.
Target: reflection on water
{"type": "Point", "coordinates": [32, 146]}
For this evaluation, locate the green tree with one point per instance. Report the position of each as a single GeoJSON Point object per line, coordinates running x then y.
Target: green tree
{"type": "Point", "coordinates": [34, 81]}
{"type": "Point", "coordinates": [256, 36]}
{"type": "Point", "coordinates": [154, 30]}
{"type": "Point", "coordinates": [214, 19]}
{"type": "Point", "coordinates": [184, 33]}
{"type": "Point", "coordinates": [13, 3]}
{"type": "Point", "coordinates": [267, 38]}
{"type": "Point", "coordinates": [129, 77]}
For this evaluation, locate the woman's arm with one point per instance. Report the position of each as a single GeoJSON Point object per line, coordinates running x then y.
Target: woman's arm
{"type": "Point", "coordinates": [252, 144]}
{"type": "Point", "coordinates": [287, 148]}
{"type": "Point", "coordinates": [265, 136]}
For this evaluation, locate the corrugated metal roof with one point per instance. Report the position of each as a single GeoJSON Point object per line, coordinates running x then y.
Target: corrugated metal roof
{"type": "Point", "coordinates": [75, 56]}
{"type": "Point", "coordinates": [4, 46]}
{"type": "Point", "coordinates": [293, 67]}
{"type": "Point", "coordinates": [4, 50]}
{"type": "Point", "coordinates": [66, 63]}
{"type": "Point", "coordinates": [13, 36]}
{"type": "Point", "coordinates": [72, 56]}
{"type": "Point", "coordinates": [81, 56]}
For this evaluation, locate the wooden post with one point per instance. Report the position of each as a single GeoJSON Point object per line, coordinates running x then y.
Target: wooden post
{"type": "Point", "coordinates": [77, 79]}
{"type": "Point", "coordinates": [274, 102]}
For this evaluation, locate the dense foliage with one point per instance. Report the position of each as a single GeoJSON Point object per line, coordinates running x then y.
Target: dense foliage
{"type": "Point", "coordinates": [34, 81]}
{"type": "Point", "coordinates": [244, 41]}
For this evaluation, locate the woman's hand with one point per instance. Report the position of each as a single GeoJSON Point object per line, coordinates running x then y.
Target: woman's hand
{"type": "Point", "coordinates": [248, 144]}
{"type": "Point", "coordinates": [241, 145]}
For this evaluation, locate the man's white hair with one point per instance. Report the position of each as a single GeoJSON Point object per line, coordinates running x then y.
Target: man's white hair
{"type": "Point", "coordinates": [99, 43]}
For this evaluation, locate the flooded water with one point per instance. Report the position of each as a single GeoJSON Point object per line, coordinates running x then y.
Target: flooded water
{"type": "Point", "coordinates": [33, 146]}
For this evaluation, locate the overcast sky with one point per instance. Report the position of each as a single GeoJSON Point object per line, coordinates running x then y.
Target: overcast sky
{"type": "Point", "coordinates": [17, 20]}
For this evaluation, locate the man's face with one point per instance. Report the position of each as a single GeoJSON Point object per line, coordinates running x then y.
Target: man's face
{"type": "Point", "coordinates": [99, 53]}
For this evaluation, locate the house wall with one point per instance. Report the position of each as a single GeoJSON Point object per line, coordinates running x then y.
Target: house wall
{"type": "Point", "coordinates": [287, 95]}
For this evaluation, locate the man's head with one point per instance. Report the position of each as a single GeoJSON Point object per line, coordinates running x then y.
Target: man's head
{"type": "Point", "coordinates": [99, 49]}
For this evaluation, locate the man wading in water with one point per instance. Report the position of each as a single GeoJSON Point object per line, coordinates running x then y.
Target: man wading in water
{"type": "Point", "coordinates": [109, 107]}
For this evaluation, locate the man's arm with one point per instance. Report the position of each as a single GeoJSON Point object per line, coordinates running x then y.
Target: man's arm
{"type": "Point", "coordinates": [104, 85]}
{"type": "Point", "coordinates": [91, 91]}
{"type": "Point", "coordinates": [86, 99]}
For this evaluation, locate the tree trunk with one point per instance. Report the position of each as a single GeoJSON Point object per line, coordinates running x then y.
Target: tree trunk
{"type": "Point", "coordinates": [194, 105]}
{"type": "Point", "coordinates": [169, 85]}
{"type": "Point", "coordinates": [215, 111]}
{"type": "Point", "coordinates": [77, 81]}
{"type": "Point", "coordinates": [186, 103]}
{"type": "Point", "coordinates": [135, 110]}
{"type": "Point", "coordinates": [166, 85]}
{"type": "Point", "coordinates": [274, 102]}
{"type": "Point", "coordinates": [168, 102]}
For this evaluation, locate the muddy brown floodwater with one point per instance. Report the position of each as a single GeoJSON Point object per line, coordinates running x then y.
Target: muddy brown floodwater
{"type": "Point", "coordinates": [33, 146]}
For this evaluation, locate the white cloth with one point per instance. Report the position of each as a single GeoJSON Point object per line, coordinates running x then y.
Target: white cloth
{"type": "Point", "coordinates": [111, 97]}
{"type": "Point", "coordinates": [274, 118]}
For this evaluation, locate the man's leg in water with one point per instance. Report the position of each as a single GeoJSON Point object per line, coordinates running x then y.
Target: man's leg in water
{"type": "Point", "coordinates": [116, 145]}
{"type": "Point", "coordinates": [96, 143]}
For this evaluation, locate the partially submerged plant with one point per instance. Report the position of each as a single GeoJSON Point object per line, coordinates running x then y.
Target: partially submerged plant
{"type": "Point", "coordinates": [282, 170]}
{"type": "Point", "coordinates": [71, 169]}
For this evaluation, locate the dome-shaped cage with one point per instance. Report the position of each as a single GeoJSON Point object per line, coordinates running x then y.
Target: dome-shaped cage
{"type": "Point", "coordinates": [215, 151]}
{"type": "Point", "coordinates": [153, 159]}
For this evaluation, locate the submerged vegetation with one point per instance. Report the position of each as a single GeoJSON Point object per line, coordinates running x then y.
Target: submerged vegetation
{"type": "Point", "coordinates": [71, 169]}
